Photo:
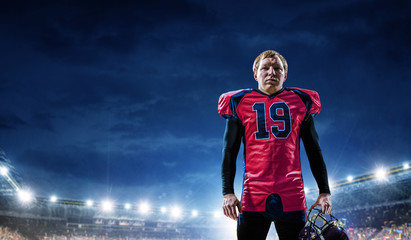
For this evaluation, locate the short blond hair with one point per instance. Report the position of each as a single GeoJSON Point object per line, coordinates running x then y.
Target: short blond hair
{"type": "Point", "coordinates": [269, 54]}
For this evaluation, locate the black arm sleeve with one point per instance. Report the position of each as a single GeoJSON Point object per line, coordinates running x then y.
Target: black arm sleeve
{"type": "Point", "coordinates": [231, 146]}
{"type": "Point", "coordinates": [312, 148]}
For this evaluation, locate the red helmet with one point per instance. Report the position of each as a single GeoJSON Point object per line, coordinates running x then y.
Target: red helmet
{"type": "Point", "coordinates": [331, 229]}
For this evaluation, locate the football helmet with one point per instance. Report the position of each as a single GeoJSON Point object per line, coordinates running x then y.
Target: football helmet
{"type": "Point", "coordinates": [318, 227]}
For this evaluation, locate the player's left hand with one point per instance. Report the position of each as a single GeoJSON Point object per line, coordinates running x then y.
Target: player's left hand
{"type": "Point", "coordinates": [324, 201]}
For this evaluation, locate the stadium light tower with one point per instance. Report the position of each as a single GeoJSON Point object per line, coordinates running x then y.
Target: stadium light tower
{"type": "Point", "coordinates": [381, 174]}
{"type": "Point", "coordinates": [53, 199]}
{"type": "Point", "coordinates": [176, 212]}
{"type": "Point", "coordinates": [4, 171]}
{"type": "Point", "coordinates": [89, 203]}
{"type": "Point", "coordinates": [107, 206]}
{"type": "Point", "coordinates": [25, 196]}
{"type": "Point", "coordinates": [144, 208]}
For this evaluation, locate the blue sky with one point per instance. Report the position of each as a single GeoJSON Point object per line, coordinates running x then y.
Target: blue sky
{"type": "Point", "coordinates": [119, 99]}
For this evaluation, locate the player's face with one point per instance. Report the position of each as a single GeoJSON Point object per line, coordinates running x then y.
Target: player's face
{"type": "Point", "coordinates": [270, 75]}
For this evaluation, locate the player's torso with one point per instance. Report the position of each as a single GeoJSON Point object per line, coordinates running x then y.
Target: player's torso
{"type": "Point", "coordinates": [272, 160]}
{"type": "Point", "coordinates": [271, 138]}
{"type": "Point", "coordinates": [271, 125]}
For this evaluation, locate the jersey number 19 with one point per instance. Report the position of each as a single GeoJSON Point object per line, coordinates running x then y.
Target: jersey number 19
{"type": "Point", "coordinates": [279, 112]}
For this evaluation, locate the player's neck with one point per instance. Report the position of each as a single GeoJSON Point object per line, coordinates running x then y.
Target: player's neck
{"type": "Point", "coordinates": [270, 91]}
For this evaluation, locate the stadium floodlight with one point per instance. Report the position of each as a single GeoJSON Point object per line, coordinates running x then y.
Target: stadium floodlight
{"type": "Point", "coordinates": [127, 206]}
{"type": "Point", "coordinates": [144, 208]}
{"type": "Point", "coordinates": [381, 174]}
{"type": "Point", "coordinates": [350, 178]}
{"type": "Point", "coordinates": [4, 171]}
{"type": "Point", "coordinates": [306, 190]}
{"type": "Point", "coordinates": [53, 199]}
{"type": "Point", "coordinates": [107, 206]}
{"type": "Point", "coordinates": [163, 210]}
{"type": "Point", "coordinates": [176, 212]}
{"type": "Point", "coordinates": [25, 196]}
{"type": "Point", "coordinates": [89, 203]}
{"type": "Point", "coordinates": [406, 166]}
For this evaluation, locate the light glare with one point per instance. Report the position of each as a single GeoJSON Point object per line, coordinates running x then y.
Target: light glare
{"type": "Point", "coordinates": [176, 212]}
{"type": "Point", "coordinates": [350, 178]}
{"type": "Point", "coordinates": [107, 206]}
{"type": "Point", "coordinates": [89, 203]}
{"type": "Point", "coordinates": [53, 199]}
{"type": "Point", "coordinates": [331, 184]}
{"type": "Point", "coordinates": [144, 208]}
{"type": "Point", "coordinates": [380, 174]}
{"type": "Point", "coordinates": [127, 206]}
{"type": "Point", "coordinates": [25, 196]}
{"type": "Point", "coordinates": [406, 166]}
{"type": "Point", "coordinates": [194, 213]}
{"type": "Point", "coordinates": [4, 171]}
{"type": "Point", "coordinates": [163, 210]}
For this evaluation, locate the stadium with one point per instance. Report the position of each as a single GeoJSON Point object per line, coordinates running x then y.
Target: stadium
{"type": "Point", "coordinates": [371, 206]}
{"type": "Point", "coordinates": [109, 113]}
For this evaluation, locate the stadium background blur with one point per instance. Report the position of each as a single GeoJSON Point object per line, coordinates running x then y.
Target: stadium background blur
{"type": "Point", "coordinates": [371, 206]}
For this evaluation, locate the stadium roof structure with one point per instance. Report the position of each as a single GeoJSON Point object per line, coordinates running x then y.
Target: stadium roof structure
{"type": "Point", "coordinates": [368, 191]}
{"type": "Point", "coordinates": [9, 182]}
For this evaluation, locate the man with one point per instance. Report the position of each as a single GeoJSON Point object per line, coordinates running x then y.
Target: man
{"type": "Point", "coordinates": [270, 121]}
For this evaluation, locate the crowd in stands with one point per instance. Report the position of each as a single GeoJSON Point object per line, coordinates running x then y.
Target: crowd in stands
{"type": "Point", "coordinates": [389, 222]}
{"type": "Point", "coordinates": [402, 232]}
{"type": "Point", "coordinates": [8, 234]}
{"type": "Point", "coordinates": [393, 232]}
{"type": "Point", "coordinates": [102, 238]}
{"type": "Point", "coordinates": [375, 217]}
{"type": "Point", "coordinates": [52, 229]}
{"type": "Point", "coordinates": [369, 195]}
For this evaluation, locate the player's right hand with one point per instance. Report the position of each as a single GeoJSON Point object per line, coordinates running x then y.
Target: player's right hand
{"type": "Point", "coordinates": [231, 205]}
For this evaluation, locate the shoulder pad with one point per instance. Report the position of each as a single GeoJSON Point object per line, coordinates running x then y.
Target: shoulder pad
{"type": "Point", "coordinates": [315, 107]}
{"type": "Point", "coordinates": [225, 108]}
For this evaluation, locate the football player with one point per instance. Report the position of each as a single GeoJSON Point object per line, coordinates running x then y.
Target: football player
{"type": "Point", "coordinates": [270, 121]}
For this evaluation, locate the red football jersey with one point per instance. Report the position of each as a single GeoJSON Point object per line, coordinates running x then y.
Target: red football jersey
{"type": "Point", "coordinates": [272, 143]}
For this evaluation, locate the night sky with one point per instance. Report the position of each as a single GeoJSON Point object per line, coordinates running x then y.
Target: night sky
{"type": "Point", "coordinates": [118, 99]}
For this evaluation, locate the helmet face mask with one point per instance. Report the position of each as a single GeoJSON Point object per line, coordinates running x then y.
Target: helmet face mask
{"type": "Point", "coordinates": [318, 227]}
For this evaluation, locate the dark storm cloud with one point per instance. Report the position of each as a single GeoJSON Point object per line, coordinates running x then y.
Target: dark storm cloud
{"type": "Point", "coordinates": [43, 121]}
{"type": "Point", "coordinates": [84, 32]}
{"type": "Point", "coordinates": [11, 121]}
{"type": "Point", "coordinates": [74, 30]}
{"type": "Point", "coordinates": [366, 24]}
